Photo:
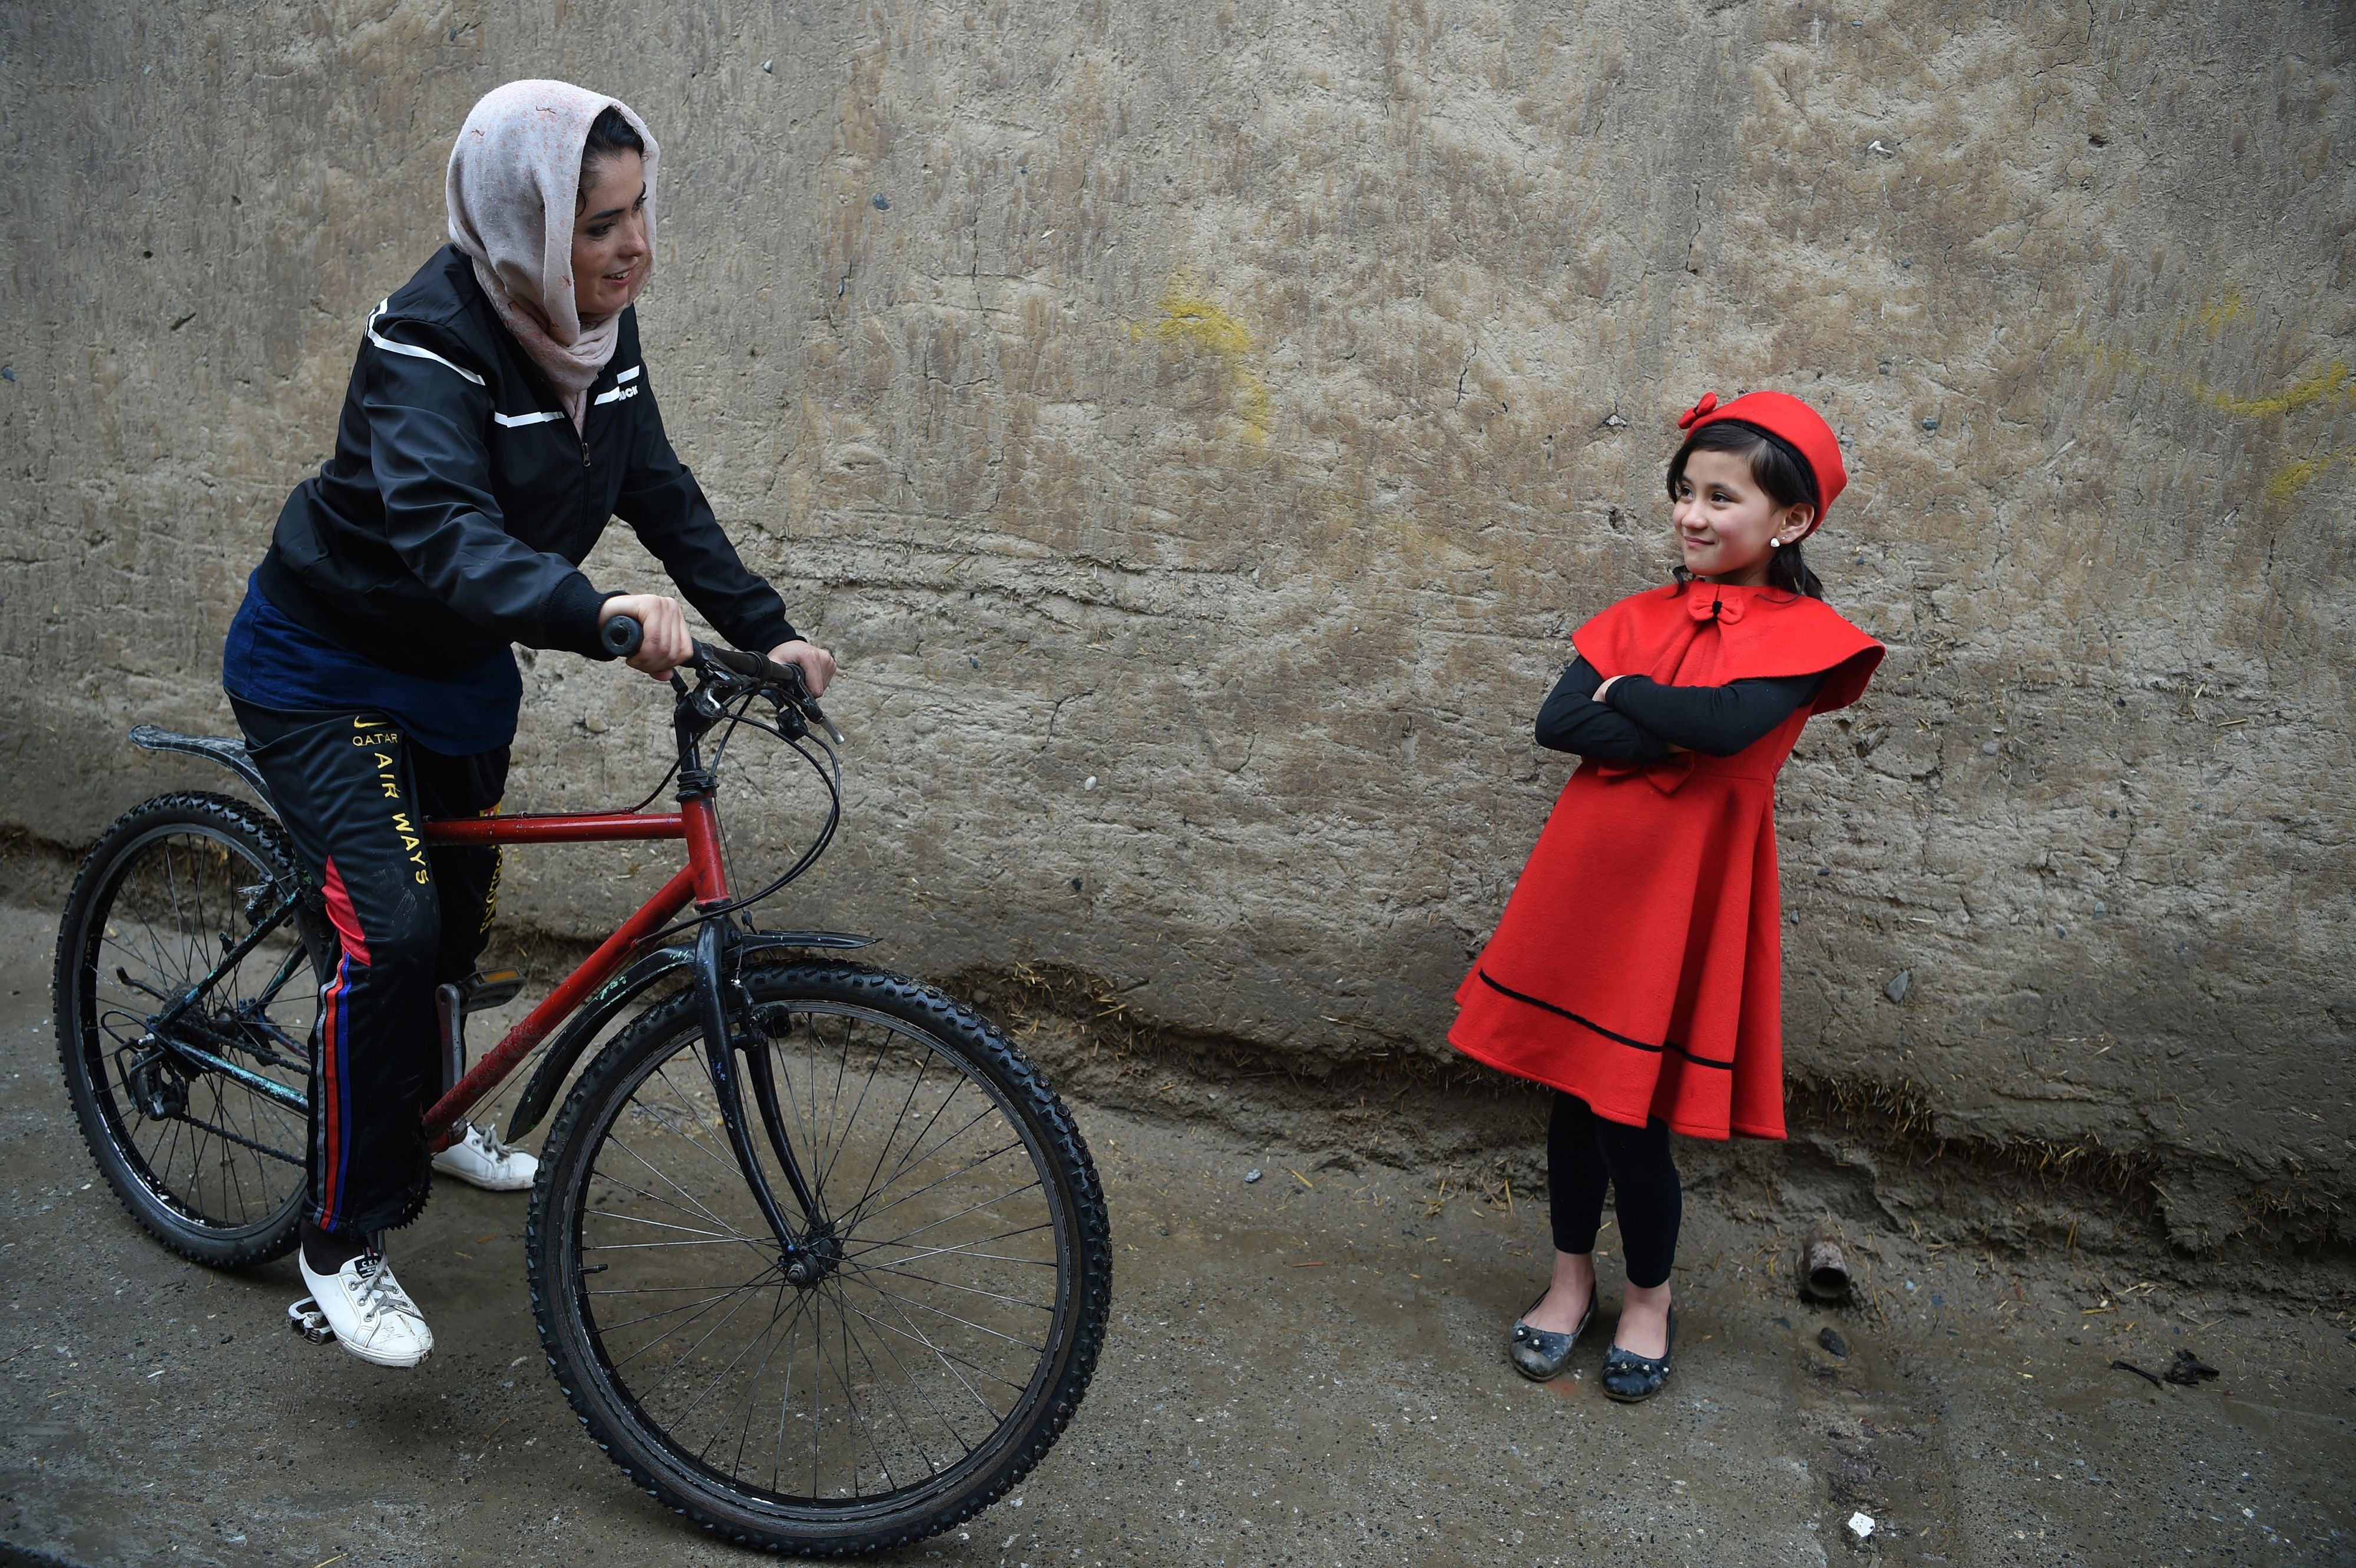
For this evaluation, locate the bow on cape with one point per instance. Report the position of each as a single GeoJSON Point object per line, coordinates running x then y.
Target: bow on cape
{"type": "Point", "coordinates": [1669, 777]}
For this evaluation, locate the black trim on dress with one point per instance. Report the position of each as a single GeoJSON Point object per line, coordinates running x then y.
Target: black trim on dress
{"type": "Point", "coordinates": [1590, 1024]}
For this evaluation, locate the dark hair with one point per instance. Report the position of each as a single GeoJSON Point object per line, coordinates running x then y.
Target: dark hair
{"type": "Point", "coordinates": [610, 133]}
{"type": "Point", "coordinates": [1780, 470]}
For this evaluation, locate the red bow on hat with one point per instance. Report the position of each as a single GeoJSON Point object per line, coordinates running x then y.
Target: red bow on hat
{"type": "Point", "coordinates": [1789, 420]}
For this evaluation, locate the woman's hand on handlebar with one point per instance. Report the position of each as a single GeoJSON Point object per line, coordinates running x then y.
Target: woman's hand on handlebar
{"type": "Point", "coordinates": [664, 644]}
{"type": "Point", "coordinates": [817, 665]}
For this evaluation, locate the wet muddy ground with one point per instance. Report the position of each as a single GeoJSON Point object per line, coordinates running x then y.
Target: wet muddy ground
{"type": "Point", "coordinates": [1305, 1369]}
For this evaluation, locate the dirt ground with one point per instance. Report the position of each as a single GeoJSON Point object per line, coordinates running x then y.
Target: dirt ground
{"type": "Point", "coordinates": [1337, 1336]}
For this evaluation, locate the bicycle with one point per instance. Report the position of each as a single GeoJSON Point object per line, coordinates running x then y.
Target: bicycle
{"type": "Point", "coordinates": [818, 1257]}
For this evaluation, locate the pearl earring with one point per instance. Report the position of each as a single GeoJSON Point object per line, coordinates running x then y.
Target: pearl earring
{"type": "Point", "coordinates": [1773, 543]}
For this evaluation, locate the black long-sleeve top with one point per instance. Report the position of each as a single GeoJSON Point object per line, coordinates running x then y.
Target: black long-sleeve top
{"type": "Point", "coordinates": [1642, 721]}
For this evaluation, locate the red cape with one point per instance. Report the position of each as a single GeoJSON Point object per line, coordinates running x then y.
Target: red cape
{"type": "Point", "coordinates": [1639, 961]}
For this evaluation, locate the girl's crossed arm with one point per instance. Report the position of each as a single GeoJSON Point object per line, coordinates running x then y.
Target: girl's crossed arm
{"type": "Point", "coordinates": [1573, 721]}
{"type": "Point", "coordinates": [1717, 721]}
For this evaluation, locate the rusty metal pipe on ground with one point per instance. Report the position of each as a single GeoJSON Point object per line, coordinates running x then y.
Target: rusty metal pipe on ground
{"type": "Point", "coordinates": [1823, 1270]}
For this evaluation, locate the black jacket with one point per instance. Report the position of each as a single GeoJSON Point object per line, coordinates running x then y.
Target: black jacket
{"type": "Point", "coordinates": [452, 518]}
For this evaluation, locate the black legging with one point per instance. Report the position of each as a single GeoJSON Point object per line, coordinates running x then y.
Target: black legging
{"type": "Point", "coordinates": [1584, 1154]}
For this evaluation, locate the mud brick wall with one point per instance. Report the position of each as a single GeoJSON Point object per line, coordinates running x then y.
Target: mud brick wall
{"type": "Point", "coordinates": [1198, 428]}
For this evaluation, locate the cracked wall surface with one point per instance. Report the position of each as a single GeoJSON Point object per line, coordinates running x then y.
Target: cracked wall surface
{"type": "Point", "coordinates": [1197, 429]}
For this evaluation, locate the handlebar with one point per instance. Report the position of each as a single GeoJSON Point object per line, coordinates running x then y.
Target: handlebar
{"type": "Point", "coordinates": [623, 635]}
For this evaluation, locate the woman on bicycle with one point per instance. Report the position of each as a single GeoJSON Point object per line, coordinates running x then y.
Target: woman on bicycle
{"type": "Point", "coordinates": [499, 416]}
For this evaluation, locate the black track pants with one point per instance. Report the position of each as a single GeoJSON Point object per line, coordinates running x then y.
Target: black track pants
{"type": "Point", "coordinates": [353, 792]}
{"type": "Point", "coordinates": [1584, 1154]}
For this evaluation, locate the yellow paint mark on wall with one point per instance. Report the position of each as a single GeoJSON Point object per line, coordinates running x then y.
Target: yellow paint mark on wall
{"type": "Point", "coordinates": [2329, 386]}
{"type": "Point", "coordinates": [1193, 323]}
{"type": "Point", "coordinates": [2212, 318]}
{"type": "Point", "coordinates": [2296, 476]}
{"type": "Point", "coordinates": [2328, 389]}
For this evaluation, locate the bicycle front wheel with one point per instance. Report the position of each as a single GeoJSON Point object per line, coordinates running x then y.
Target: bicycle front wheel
{"type": "Point", "coordinates": [965, 1267]}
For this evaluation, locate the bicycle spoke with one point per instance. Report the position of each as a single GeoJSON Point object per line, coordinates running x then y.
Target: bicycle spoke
{"type": "Point", "coordinates": [906, 1100]}
{"type": "Point", "coordinates": [937, 1224]}
{"type": "Point", "coordinates": [922, 1132]}
{"type": "Point", "coordinates": [962, 1170]}
{"type": "Point", "coordinates": [963, 1290]}
{"type": "Point", "coordinates": [713, 1381]}
{"type": "Point", "coordinates": [910, 1162]}
{"type": "Point", "coordinates": [692, 1205]}
{"type": "Point", "coordinates": [863, 1088]}
{"type": "Point", "coordinates": [964, 1322]}
{"type": "Point", "coordinates": [914, 1440]}
{"type": "Point", "coordinates": [843, 1302]}
{"type": "Point", "coordinates": [752, 1390]}
{"type": "Point", "coordinates": [913, 1332]}
{"type": "Point", "coordinates": [723, 1161]}
{"type": "Point", "coordinates": [965, 1249]}
{"type": "Point", "coordinates": [665, 1224]}
{"type": "Point", "coordinates": [700, 1309]}
{"type": "Point", "coordinates": [881, 1460]}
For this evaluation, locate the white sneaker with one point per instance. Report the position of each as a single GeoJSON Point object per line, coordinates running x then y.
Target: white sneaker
{"type": "Point", "coordinates": [371, 1315]}
{"type": "Point", "coordinates": [480, 1158]}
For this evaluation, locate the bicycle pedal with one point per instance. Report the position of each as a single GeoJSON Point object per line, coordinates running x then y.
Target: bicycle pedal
{"type": "Point", "coordinates": [489, 988]}
{"type": "Point", "coordinates": [305, 1319]}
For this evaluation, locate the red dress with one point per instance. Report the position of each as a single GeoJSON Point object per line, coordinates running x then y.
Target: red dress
{"type": "Point", "coordinates": [1639, 961]}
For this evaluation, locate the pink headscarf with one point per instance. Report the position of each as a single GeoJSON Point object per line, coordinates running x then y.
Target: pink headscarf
{"type": "Point", "coordinates": [514, 186]}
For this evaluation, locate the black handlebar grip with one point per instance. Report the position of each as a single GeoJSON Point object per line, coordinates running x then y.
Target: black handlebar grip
{"type": "Point", "coordinates": [622, 635]}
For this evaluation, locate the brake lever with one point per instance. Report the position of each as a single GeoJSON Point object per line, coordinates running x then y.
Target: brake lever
{"type": "Point", "coordinates": [809, 705]}
{"type": "Point", "coordinates": [621, 636]}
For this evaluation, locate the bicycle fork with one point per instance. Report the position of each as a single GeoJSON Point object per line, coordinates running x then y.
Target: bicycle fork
{"type": "Point", "coordinates": [805, 1251]}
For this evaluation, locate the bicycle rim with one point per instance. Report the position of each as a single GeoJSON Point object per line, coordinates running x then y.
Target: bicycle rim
{"type": "Point", "coordinates": [209, 1160]}
{"type": "Point", "coordinates": [962, 1296]}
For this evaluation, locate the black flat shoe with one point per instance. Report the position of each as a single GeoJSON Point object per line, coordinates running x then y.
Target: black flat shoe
{"type": "Point", "coordinates": [1540, 1356]}
{"type": "Point", "coordinates": [1632, 1379]}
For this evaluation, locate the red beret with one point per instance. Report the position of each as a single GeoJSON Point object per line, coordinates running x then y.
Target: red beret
{"type": "Point", "coordinates": [1794, 423]}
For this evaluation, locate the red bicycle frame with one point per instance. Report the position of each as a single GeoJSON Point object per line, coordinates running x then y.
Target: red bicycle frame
{"type": "Point", "coordinates": [702, 880]}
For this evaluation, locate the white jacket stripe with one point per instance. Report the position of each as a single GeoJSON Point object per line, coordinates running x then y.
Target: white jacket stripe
{"type": "Point", "coordinates": [390, 347]}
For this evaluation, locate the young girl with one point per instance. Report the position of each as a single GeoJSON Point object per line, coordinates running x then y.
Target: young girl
{"type": "Point", "coordinates": [1637, 967]}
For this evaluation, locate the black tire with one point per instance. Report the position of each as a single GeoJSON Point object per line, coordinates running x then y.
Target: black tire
{"type": "Point", "coordinates": [920, 1053]}
{"type": "Point", "coordinates": [220, 1180]}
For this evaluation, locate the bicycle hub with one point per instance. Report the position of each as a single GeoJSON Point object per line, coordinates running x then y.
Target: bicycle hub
{"type": "Point", "coordinates": [819, 1255]}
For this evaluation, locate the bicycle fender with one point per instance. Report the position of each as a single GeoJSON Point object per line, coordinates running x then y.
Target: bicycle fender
{"type": "Point", "coordinates": [618, 992]}
{"type": "Point", "coordinates": [581, 1029]}
{"type": "Point", "coordinates": [626, 987]}
{"type": "Point", "coordinates": [754, 941]}
{"type": "Point", "coordinates": [229, 754]}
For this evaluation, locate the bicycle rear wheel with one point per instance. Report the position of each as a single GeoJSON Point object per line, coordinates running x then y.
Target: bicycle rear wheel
{"type": "Point", "coordinates": [946, 1339]}
{"type": "Point", "coordinates": [208, 1162]}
